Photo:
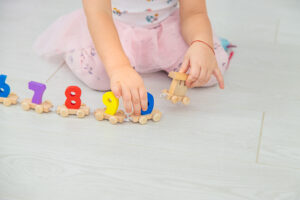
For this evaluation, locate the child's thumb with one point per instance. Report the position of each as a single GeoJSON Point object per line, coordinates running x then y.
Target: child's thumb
{"type": "Point", "coordinates": [184, 66]}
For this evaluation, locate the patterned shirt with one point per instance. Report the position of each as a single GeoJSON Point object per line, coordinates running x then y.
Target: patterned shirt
{"type": "Point", "coordinates": [143, 12]}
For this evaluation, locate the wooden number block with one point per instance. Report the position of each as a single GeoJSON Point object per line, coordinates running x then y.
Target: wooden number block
{"type": "Point", "coordinates": [44, 107]}
{"type": "Point", "coordinates": [73, 94]}
{"type": "Point", "coordinates": [36, 103]}
{"type": "Point", "coordinates": [39, 89]}
{"type": "Point", "coordinates": [73, 105]}
{"type": "Point", "coordinates": [178, 89]}
{"type": "Point", "coordinates": [81, 112]}
{"type": "Point", "coordinates": [118, 117]}
{"type": "Point", "coordinates": [155, 115]}
{"type": "Point", "coordinates": [150, 105]}
{"type": "Point", "coordinates": [111, 112]}
{"type": "Point", "coordinates": [4, 87]}
{"type": "Point", "coordinates": [111, 102]}
{"type": "Point", "coordinates": [12, 99]}
{"type": "Point", "coordinates": [6, 97]}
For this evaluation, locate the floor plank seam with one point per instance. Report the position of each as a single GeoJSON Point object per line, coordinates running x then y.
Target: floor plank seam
{"type": "Point", "coordinates": [55, 72]}
{"type": "Point", "coordinates": [278, 166]}
{"type": "Point", "coordinates": [260, 137]}
{"type": "Point", "coordinates": [276, 32]}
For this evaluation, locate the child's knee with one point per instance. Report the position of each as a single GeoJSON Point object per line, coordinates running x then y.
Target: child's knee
{"type": "Point", "coordinates": [88, 68]}
{"type": "Point", "coordinates": [96, 84]}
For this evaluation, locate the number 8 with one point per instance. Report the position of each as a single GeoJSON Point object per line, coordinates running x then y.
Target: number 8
{"type": "Point", "coordinates": [73, 94]}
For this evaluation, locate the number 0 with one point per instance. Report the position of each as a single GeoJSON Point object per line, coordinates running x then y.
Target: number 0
{"type": "Point", "coordinates": [150, 105]}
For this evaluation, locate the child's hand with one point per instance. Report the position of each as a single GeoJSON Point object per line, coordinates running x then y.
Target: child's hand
{"type": "Point", "coordinates": [202, 64]}
{"type": "Point", "coordinates": [126, 82]}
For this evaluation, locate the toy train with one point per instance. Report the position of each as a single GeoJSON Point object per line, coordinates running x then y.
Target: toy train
{"type": "Point", "coordinates": [74, 106]}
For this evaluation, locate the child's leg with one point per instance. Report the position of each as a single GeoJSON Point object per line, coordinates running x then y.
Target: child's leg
{"type": "Point", "coordinates": [86, 65]}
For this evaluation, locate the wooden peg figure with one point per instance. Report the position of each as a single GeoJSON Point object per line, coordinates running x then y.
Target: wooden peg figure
{"type": "Point", "coordinates": [178, 89]}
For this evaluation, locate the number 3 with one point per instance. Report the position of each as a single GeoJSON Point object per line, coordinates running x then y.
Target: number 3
{"type": "Point", "coordinates": [4, 88]}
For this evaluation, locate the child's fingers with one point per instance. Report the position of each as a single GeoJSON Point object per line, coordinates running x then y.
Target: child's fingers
{"type": "Point", "coordinates": [135, 98]}
{"type": "Point", "coordinates": [126, 95]}
{"type": "Point", "coordinates": [193, 76]}
{"type": "Point", "coordinates": [202, 78]}
{"type": "Point", "coordinates": [144, 98]}
{"type": "Point", "coordinates": [217, 73]}
{"type": "Point", "coordinates": [184, 66]}
{"type": "Point", "coordinates": [117, 90]}
{"type": "Point", "coordinates": [208, 76]}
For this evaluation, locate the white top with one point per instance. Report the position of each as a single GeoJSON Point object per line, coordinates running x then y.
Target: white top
{"type": "Point", "coordinates": [143, 12]}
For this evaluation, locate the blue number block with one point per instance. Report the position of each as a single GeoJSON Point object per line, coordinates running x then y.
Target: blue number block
{"type": "Point", "coordinates": [150, 105]}
{"type": "Point", "coordinates": [4, 88]}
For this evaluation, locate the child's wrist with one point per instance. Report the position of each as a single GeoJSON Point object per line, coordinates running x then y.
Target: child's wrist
{"type": "Point", "coordinates": [205, 44]}
{"type": "Point", "coordinates": [111, 69]}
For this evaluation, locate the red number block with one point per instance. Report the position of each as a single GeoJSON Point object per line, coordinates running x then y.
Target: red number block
{"type": "Point", "coordinates": [73, 94]}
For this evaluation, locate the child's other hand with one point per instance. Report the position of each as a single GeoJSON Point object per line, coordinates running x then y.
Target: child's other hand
{"type": "Point", "coordinates": [125, 82]}
{"type": "Point", "coordinates": [202, 64]}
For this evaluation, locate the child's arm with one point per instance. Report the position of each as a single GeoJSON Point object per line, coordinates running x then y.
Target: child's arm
{"type": "Point", "coordinates": [125, 81]}
{"type": "Point", "coordinates": [200, 58]}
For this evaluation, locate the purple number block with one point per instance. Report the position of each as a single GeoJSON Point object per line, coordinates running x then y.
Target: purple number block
{"type": "Point", "coordinates": [4, 88]}
{"type": "Point", "coordinates": [39, 89]}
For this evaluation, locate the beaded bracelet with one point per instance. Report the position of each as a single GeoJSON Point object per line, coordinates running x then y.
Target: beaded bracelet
{"type": "Point", "coordinates": [205, 44]}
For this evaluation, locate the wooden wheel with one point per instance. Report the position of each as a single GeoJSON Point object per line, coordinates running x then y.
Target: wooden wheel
{"type": "Point", "coordinates": [25, 106]}
{"type": "Point", "coordinates": [121, 112]}
{"type": "Point", "coordinates": [186, 101]}
{"type": "Point", "coordinates": [47, 106]}
{"type": "Point", "coordinates": [156, 116]}
{"type": "Point", "coordinates": [174, 99]}
{"type": "Point", "coordinates": [39, 109]}
{"type": "Point", "coordinates": [121, 119]}
{"type": "Point", "coordinates": [7, 102]}
{"type": "Point", "coordinates": [143, 120]}
{"type": "Point", "coordinates": [113, 120]}
{"type": "Point", "coordinates": [134, 119]}
{"type": "Point", "coordinates": [64, 112]}
{"type": "Point", "coordinates": [99, 115]}
{"type": "Point", "coordinates": [80, 113]}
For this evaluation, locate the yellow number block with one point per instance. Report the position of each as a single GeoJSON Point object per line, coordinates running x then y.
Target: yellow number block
{"type": "Point", "coordinates": [111, 102]}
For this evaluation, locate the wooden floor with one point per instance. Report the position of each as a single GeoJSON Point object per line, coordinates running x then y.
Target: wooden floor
{"type": "Point", "coordinates": [240, 143]}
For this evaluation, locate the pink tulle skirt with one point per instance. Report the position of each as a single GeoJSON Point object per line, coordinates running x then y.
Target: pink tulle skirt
{"type": "Point", "coordinates": [148, 49]}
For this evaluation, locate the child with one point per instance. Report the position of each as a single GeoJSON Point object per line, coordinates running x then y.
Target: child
{"type": "Point", "coordinates": [111, 41]}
